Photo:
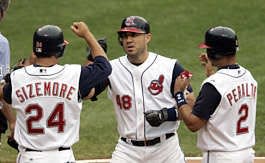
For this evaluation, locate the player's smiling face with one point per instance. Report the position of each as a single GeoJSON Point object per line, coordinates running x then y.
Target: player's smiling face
{"type": "Point", "coordinates": [135, 44]}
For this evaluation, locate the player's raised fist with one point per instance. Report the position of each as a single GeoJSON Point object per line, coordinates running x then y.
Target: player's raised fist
{"type": "Point", "coordinates": [186, 74]}
{"type": "Point", "coordinates": [182, 81]}
{"type": "Point", "coordinates": [80, 29]}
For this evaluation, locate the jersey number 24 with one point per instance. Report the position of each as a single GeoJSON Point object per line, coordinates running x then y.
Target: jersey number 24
{"type": "Point", "coordinates": [55, 119]}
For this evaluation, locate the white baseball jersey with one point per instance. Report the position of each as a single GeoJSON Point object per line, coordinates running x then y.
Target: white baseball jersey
{"type": "Point", "coordinates": [48, 109]}
{"type": "Point", "coordinates": [4, 59]}
{"type": "Point", "coordinates": [137, 89]}
{"type": "Point", "coordinates": [4, 56]}
{"type": "Point", "coordinates": [232, 126]}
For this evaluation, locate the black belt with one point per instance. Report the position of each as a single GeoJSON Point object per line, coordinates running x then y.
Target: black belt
{"type": "Point", "coordinates": [34, 150]}
{"type": "Point", "coordinates": [146, 142]}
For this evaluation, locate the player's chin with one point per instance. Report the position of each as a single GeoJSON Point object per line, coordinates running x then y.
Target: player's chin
{"type": "Point", "coordinates": [131, 51]}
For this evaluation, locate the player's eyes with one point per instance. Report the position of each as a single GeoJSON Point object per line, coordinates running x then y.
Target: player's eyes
{"type": "Point", "coordinates": [127, 34]}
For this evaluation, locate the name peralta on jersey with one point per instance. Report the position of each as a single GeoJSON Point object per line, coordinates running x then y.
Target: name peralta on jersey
{"type": "Point", "coordinates": [232, 126]}
{"type": "Point", "coordinates": [48, 110]}
{"type": "Point", "coordinates": [136, 89]}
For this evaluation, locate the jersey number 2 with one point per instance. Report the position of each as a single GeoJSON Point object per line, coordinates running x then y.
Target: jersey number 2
{"type": "Point", "coordinates": [243, 111]}
{"type": "Point", "coordinates": [55, 119]}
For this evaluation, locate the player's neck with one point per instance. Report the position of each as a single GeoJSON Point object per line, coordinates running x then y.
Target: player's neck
{"type": "Point", "coordinates": [138, 59]}
{"type": "Point", "coordinates": [46, 62]}
{"type": "Point", "coordinates": [225, 61]}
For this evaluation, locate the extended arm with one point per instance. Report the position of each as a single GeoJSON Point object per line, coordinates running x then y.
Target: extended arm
{"type": "Point", "coordinates": [97, 71]}
{"type": "Point", "coordinates": [195, 117]}
{"type": "Point", "coordinates": [157, 117]}
{"type": "Point", "coordinates": [101, 86]}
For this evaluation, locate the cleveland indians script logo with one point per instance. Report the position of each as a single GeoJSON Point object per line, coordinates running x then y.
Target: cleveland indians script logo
{"type": "Point", "coordinates": [156, 86]}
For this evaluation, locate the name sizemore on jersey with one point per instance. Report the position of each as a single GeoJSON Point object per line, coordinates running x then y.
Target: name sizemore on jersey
{"type": "Point", "coordinates": [45, 88]}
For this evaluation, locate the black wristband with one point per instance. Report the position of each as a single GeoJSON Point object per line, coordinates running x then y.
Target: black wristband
{"type": "Point", "coordinates": [172, 114]}
{"type": "Point", "coordinates": [180, 99]}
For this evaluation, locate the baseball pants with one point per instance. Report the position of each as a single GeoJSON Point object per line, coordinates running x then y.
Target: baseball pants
{"type": "Point", "coordinates": [242, 156]}
{"type": "Point", "coordinates": [64, 156]}
{"type": "Point", "coordinates": [167, 151]}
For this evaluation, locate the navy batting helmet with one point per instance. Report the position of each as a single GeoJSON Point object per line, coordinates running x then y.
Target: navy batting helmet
{"type": "Point", "coordinates": [49, 41]}
{"type": "Point", "coordinates": [135, 24]}
{"type": "Point", "coordinates": [220, 41]}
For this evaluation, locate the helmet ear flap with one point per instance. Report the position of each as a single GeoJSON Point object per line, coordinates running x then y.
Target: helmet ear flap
{"type": "Point", "coordinates": [216, 54]}
{"type": "Point", "coordinates": [212, 54]}
{"type": "Point", "coordinates": [60, 50]}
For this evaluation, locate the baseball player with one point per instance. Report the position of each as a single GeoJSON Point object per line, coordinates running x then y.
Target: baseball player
{"type": "Point", "coordinates": [5, 113]}
{"type": "Point", "coordinates": [143, 81]}
{"type": "Point", "coordinates": [48, 96]}
{"type": "Point", "coordinates": [225, 111]}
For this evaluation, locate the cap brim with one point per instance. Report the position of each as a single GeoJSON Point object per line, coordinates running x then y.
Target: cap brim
{"type": "Point", "coordinates": [203, 46]}
{"type": "Point", "coordinates": [131, 29]}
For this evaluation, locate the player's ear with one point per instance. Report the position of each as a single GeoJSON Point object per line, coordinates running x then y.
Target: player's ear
{"type": "Point", "coordinates": [148, 37]}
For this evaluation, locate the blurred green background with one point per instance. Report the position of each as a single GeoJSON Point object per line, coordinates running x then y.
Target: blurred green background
{"type": "Point", "coordinates": [177, 26]}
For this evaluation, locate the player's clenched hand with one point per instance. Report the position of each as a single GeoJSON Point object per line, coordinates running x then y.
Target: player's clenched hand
{"type": "Point", "coordinates": [182, 81]}
{"type": "Point", "coordinates": [80, 29]}
{"type": "Point", "coordinates": [156, 117]}
{"type": "Point", "coordinates": [207, 64]}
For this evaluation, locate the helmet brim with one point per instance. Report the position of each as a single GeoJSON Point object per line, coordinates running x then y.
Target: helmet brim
{"type": "Point", "coordinates": [131, 29]}
{"type": "Point", "coordinates": [203, 46]}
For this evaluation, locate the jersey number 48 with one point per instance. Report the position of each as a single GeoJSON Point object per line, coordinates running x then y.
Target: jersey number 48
{"type": "Point", "coordinates": [124, 102]}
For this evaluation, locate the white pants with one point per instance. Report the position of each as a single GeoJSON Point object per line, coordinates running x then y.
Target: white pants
{"type": "Point", "coordinates": [52, 156]}
{"type": "Point", "coordinates": [242, 156]}
{"type": "Point", "coordinates": [167, 151]}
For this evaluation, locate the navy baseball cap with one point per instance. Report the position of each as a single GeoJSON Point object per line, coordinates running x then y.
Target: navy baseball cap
{"type": "Point", "coordinates": [135, 24]}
